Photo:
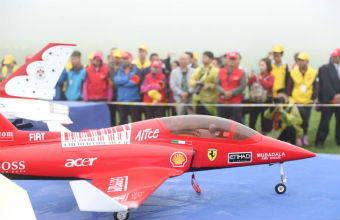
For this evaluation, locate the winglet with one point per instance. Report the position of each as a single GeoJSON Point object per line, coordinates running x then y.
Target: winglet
{"type": "Point", "coordinates": [90, 198]}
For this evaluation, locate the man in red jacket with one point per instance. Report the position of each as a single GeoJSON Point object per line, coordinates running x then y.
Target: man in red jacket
{"type": "Point", "coordinates": [96, 86]}
{"type": "Point", "coordinates": [230, 83]}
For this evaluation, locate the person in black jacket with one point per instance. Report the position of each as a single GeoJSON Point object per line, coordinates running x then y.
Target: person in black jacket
{"type": "Point", "coordinates": [329, 92]}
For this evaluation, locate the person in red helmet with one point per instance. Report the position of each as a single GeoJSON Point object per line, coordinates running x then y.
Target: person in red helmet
{"type": "Point", "coordinates": [127, 82]}
{"type": "Point", "coordinates": [153, 89]}
{"type": "Point", "coordinates": [96, 86]}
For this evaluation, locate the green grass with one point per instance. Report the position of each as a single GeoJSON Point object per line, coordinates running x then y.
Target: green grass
{"type": "Point", "coordinates": [329, 146]}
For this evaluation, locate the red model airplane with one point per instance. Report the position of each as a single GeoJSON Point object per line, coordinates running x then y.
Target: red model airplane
{"type": "Point", "coordinates": [127, 163]}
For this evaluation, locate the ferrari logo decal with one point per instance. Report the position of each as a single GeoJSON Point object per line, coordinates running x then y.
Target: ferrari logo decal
{"type": "Point", "coordinates": [212, 154]}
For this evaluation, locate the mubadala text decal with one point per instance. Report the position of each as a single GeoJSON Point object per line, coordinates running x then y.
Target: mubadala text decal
{"type": "Point", "coordinates": [239, 157]}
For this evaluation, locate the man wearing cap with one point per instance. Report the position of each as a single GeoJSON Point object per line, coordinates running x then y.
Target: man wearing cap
{"type": "Point", "coordinates": [280, 69]}
{"type": "Point", "coordinates": [329, 92]}
{"type": "Point", "coordinates": [96, 86]}
{"type": "Point", "coordinates": [127, 82]}
{"type": "Point", "coordinates": [303, 88]}
{"type": "Point", "coordinates": [153, 89]}
{"type": "Point", "coordinates": [142, 62]}
{"type": "Point", "coordinates": [230, 83]}
{"type": "Point", "coordinates": [9, 67]}
{"type": "Point", "coordinates": [203, 81]}
{"type": "Point", "coordinates": [179, 84]}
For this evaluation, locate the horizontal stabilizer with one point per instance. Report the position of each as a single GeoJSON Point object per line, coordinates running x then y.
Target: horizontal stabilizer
{"type": "Point", "coordinates": [90, 198]}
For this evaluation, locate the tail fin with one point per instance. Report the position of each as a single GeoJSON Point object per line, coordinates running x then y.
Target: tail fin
{"type": "Point", "coordinates": [6, 129]}
{"type": "Point", "coordinates": [38, 77]}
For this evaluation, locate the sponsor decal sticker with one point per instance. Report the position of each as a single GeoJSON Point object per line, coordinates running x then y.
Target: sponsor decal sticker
{"type": "Point", "coordinates": [240, 157]}
{"type": "Point", "coordinates": [12, 167]}
{"type": "Point", "coordinates": [80, 162]}
{"type": "Point", "coordinates": [181, 142]}
{"type": "Point", "coordinates": [107, 136]}
{"type": "Point", "coordinates": [147, 134]}
{"type": "Point", "coordinates": [118, 184]}
{"type": "Point", "coordinates": [178, 159]}
{"type": "Point", "coordinates": [38, 136]}
{"type": "Point", "coordinates": [6, 136]}
{"type": "Point", "coordinates": [271, 156]}
{"type": "Point", "coordinates": [212, 154]}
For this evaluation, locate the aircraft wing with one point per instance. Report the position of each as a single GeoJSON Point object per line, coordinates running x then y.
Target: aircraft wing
{"type": "Point", "coordinates": [120, 190]}
{"type": "Point", "coordinates": [36, 110]}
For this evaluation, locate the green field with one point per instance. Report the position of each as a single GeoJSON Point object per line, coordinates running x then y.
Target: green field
{"type": "Point", "coordinates": [329, 146]}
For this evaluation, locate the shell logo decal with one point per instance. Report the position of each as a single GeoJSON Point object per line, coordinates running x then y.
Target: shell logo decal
{"type": "Point", "coordinates": [178, 159]}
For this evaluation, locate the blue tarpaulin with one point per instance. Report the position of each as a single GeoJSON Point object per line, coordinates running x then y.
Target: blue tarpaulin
{"type": "Point", "coordinates": [313, 192]}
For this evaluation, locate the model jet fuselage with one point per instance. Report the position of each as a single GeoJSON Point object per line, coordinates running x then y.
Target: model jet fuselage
{"type": "Point", "coordinates": [185, 143]}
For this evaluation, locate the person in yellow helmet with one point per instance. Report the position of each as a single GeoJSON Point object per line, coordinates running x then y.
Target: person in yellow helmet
{"type": "Point", "coordinates": [142, 62]}
{"type": "Point", "coordinates": [194, 63]}
{"type": "Point", "coordinates": [280, 69]}
{"type": "Point", "coordinates": [115, 62]}
{"type": "Point", "coordinates": [303, 88]}
{"type": "Point", "coordinates": [193, 59]}
{"type": "Point", "coordinates": [90, 57]}
{"type": "Point", "coordinates": [9, 66]}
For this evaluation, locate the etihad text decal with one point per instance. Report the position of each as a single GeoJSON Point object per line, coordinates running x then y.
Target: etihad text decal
{"type": "Point", "coordinates": [107, 136]}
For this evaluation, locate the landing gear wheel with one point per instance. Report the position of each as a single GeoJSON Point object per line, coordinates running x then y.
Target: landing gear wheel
{"type": "Point", "coordinates": [280, 188]}
{"type": "Point", "coordinates": [121, 215]}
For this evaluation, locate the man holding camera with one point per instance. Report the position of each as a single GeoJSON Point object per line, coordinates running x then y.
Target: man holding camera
{"type": "Point", "coordinates": [203, 81]}
{"type": "Point", "coordinates": [286, 119]}
{"type": "Point", "coordinates": [230, 83]}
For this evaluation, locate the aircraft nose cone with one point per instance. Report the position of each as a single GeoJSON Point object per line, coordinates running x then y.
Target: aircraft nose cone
{"type": "Point", "coordinates": [303, 153]}
{"type": "Point", "coordinates": [292, 152]}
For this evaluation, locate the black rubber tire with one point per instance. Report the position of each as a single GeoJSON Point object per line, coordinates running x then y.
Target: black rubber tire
{"type": "Point", "coordinates": [118, 215]}
{"type": "Point", "coordinates": [280, 188]}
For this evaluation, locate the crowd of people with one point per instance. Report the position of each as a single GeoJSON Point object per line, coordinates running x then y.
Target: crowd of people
{"type": "Point", "coordinates": [218, 80]}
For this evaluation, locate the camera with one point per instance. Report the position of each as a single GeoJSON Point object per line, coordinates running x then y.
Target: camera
{"type": "Point", "coordinates": [279, 100]}
{"type": "Point", "coordinates": [199, 86]}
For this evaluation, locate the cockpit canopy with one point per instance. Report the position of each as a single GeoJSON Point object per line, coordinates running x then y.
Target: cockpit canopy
{"type": "Point", "coordinates": [204, 126]}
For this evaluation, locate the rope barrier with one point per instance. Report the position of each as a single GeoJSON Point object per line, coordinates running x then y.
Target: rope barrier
{"type": "Point", "coordinates": [222, 104]}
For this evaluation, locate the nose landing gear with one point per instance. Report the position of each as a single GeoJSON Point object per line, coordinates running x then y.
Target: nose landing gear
{"type": "Point", "coordinates": [281, 187]}
{"type": "Point", "coordinates": [121, 215]}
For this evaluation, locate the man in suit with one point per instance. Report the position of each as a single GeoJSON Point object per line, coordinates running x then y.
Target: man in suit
{"type": "Point", "coordinates": [329, 92]}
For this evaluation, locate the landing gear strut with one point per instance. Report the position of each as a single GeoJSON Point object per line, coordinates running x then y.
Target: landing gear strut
{"type": "Point", "coordinates": [121, 215]}
{"type": "Point", "coordinates": [281, 187]}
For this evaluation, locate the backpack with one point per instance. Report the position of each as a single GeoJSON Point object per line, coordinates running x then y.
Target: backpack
{"type": "Point", "coordinates": [257, 93]}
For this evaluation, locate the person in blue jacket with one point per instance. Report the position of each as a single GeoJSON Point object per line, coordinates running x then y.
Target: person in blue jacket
{"type": "Point", "coordinates": [75, 78]}
{"type": "Point", "coordinates": [59, 95]}
{"type": "Point", "coordinates": [127, 82]}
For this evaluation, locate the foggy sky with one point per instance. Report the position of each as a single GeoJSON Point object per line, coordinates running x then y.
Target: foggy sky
{"type": "Point", "coordinates": [250, 27]}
